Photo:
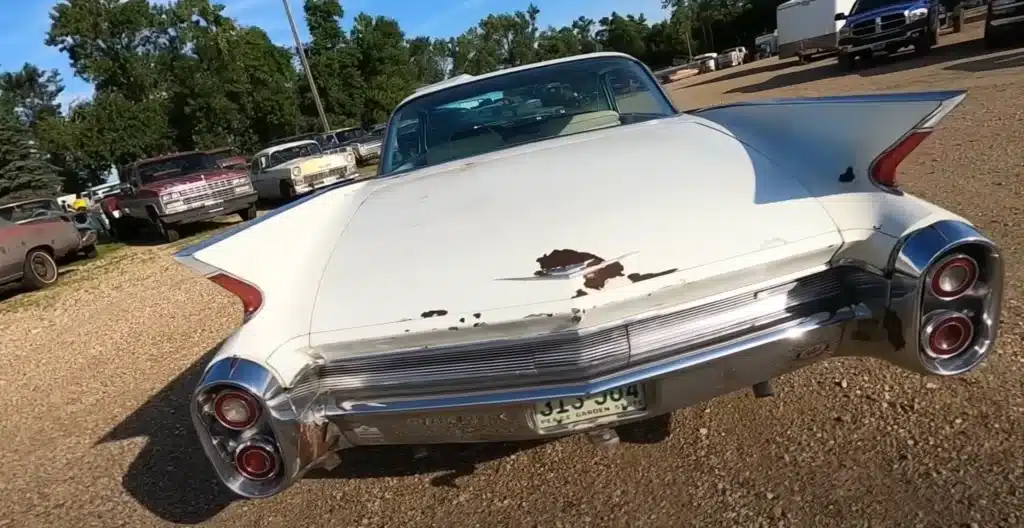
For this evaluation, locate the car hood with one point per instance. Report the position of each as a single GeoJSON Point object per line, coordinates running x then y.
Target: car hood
{"type": "Point", "coordinates": [885, 10]}
{"type": "Point", "coordinates": [515, 227]}
{"type": "Point", "coordinates": [190, 179]}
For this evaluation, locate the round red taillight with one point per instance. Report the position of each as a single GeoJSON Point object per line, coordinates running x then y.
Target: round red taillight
{"type": "Point", "coordinates": [948, 335]}
{"type": "Point", "coordinates": [953, 277]}
{"type": "Point", "coordinates": [256, 461]}
{"type": "Point", "coordinates": [236, 409]}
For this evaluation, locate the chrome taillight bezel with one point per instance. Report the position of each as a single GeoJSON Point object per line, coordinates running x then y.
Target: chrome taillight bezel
{"type": "Point", "coordinates": [953, 260]}
{"type": "Point", "coordinates": [266, 448]}
{"type": "Point", "coordinates": [936, 320]}
{"type": "Point", "coordinates": [252, 404]}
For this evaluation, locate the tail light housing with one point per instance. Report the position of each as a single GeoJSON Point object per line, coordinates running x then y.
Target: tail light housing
{"type": "Point", "coordinates": [236, 409]}
{"type": "Point", "coordinates": [883, 170]}
{"type": "Point", "coordinates": [256, 459]}
{"type": "Point", "coordinates": [251, 296]}
{"type": "Point", "coordinates": [953, 276]}
{"type": "Point", "coordinates": [947, 334]}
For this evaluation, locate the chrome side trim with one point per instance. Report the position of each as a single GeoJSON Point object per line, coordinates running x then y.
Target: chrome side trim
{"type": "Point", "coordinates": [1008, 20]}
{"type": "Point", "coordinates": [904, 97]}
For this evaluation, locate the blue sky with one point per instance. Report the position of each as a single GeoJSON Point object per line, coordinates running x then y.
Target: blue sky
{"type": "Point", "coordinates": [23, 23]}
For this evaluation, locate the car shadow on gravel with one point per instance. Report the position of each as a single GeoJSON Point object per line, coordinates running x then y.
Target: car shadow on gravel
{"type": "Point", "coordinates": [171, 476]}
{"type": "Point", "coordinates": [771, 65]}
{"type": "Point", "coordinates": [987, 64]}
{"type": "Point", "coordinates": [882, 65]}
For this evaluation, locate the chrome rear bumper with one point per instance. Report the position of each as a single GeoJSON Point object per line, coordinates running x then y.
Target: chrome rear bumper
{"type": "Point", "coordinates": [308, 427]}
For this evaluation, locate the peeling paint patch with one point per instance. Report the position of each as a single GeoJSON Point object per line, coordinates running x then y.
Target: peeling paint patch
{"type": "Point", "coordinates": [453, 328]}
{"type": "Point", "coordinates": [595, 280]}
{"type": "Point", "coordinates": [579, 293]}
{"type": "Point", "coordinates": [638, 277]}
{"type": "Point", "coordinates": [561, 260]}
{"type": "Point", "coordinates": [462, 319]}
{"type": "Point", "coordinates": [847, 176]}
{"type": "Point", "coordinates": [476, 315]}
{"type": "Point", "coordinates": [479, 324]}
{"type": "Point", "coordinates": [576, 319]}
{"type": "Point", "coordinates": [534, 316]}
{"type": "Point", "coordinates": [433, 313]}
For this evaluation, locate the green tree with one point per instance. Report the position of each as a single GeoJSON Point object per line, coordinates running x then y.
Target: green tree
{"type": "Point", "coordinates": [31, 93]}
{"type": "Point", "coordinates": [335, 65]}
{"type": "Point", "coordinates": [24, 173]}
{"type": "Point", "coordinates": [384, 63]}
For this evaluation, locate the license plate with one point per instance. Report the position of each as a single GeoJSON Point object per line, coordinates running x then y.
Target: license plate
{"type": "Point", "coordinates": [611, 402]}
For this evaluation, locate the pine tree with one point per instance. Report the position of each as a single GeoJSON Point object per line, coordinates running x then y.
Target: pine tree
{"type": "Point", "coordinates": [24, 174]}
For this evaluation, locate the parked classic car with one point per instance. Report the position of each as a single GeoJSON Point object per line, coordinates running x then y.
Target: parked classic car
{"type": "Point", "coordinates": [365, 146]}
{"type": "Point", "coordinates": [34, 236]}
{"type": "Point", "coordinates": [1004, 22]}
{"type": "Point", "coordinates": [293, 169]}
{"type": "Point", "coordinates": [169, 191]}
{"type": "Point", "coordinates": [587, 271]}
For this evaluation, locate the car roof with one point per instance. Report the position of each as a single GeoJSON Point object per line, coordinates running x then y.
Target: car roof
{"type": "Point", "coordinates": [465, 78]}
{"type": "Point", "coordinates": [283, 146]}
{"type": "Point", "coordinates": [164, 157]}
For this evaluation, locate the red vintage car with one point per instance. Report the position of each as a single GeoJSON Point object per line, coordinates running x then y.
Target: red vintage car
{"type": "Point", "coordinates": [34, 236]}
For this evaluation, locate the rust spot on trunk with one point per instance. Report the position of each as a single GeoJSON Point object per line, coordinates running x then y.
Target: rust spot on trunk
{"type": "Point", "coordinates": [638, 277]}
{"type": "Point", "coordinates": [453, 328]}
{"type": "Point", "coordinates": [565, 258]}
{"type": "Point", "coordinates": [579, 293]}
{"type": "Point", "coordinates": [432, 313]}
{"type": "Point", "coordinates": [462, 319]}
{"type": "Point", "coordinates": [476, 315]}
{"type": "Point", "coordinates": [595, 280]}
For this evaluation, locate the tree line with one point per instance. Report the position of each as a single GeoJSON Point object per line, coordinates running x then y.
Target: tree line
{"type": "Point", "coordinates": [182, 75]}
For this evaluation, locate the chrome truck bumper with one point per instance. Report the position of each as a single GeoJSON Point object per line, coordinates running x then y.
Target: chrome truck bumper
{"type": "Point", "coordinates": [888, 317]}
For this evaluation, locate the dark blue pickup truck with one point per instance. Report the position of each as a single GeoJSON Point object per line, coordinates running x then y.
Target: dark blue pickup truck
{"type": "Point", "coordinates": [888, 26]}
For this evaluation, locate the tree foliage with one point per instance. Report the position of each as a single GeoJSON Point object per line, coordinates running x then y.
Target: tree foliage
{"type": "Point", "coordinates": [179, 75]}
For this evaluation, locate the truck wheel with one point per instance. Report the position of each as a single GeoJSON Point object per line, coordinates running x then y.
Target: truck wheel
{"type": "Point", "coordinates": [40, 270]}
{"type": "Point", "coordinates": [249, 213]}
{"type": "Point", "coordinates": [846, 61]}
{"type": "Point", "coordinates": [993, 40]}
{"type": "Point", "coordinates": [923, 44]}
{"type": "Point", "coordinates": [168, 232]}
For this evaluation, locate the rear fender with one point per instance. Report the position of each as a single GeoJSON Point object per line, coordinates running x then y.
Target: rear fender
{"type": "Point", "coordinates": [834, 146]}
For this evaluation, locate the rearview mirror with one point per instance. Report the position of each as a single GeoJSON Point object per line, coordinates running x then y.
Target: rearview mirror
{"type": "Point", "coordinates": [840, 17]}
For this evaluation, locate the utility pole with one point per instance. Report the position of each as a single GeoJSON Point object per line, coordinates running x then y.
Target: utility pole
{"type": "Point", "coordinates": [305, 66]}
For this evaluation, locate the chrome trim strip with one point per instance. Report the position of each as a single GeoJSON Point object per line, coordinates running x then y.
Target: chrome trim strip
{"type": "Point", "coordinates": [903, 97]}
{"type": "Point", "coordinates": [634, 375]}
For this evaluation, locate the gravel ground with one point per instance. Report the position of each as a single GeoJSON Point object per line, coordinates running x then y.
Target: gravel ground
{"type": "Point", "coordinates": [95, 377]}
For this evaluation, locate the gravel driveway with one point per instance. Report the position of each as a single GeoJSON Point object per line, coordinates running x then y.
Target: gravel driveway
{"type": "Point", "coordinates": [95, 377]}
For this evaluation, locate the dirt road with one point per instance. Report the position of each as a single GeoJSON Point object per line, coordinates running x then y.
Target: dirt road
{"type": "Point", "coordinates": [95, 377]}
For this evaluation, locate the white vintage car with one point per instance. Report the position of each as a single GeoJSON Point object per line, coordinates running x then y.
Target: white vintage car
{"type": "Point", "coordinates": [292, 169]}
{"type": "Point", "coordinates": [587, 270]}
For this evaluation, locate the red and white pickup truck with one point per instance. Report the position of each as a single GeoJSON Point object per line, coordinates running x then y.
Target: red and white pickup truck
{"type": "Point", "coordinates": [169, 191]}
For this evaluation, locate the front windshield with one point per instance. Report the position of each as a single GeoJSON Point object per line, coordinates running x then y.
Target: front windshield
{"type": "Point", "coordinates": [521, 107]}
{"type": "Point", "coordinates": [162, 169]}
{"type": "Point", "coordinates": [863, 6]}
{"type": "Point", "coordinates": [294, 152]}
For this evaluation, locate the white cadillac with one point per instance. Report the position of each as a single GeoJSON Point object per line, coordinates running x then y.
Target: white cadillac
{"type": "Point", "coordinates": [588, 264]}
{"type": "Point", "coordinates": [292, 169]}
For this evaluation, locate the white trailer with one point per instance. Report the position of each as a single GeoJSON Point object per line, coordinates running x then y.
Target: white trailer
{"type": "Point", "coordinates": [809, 27]}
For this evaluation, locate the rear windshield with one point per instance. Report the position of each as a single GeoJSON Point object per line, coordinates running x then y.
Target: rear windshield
{"type": "Point", "coordinates": [516, 108]}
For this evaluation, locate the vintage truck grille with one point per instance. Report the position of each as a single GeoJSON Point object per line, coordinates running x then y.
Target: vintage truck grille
{"type": "Point", "coordinates": [218, 190]}
{"type": "Point", "coordinates": [571, 356]}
